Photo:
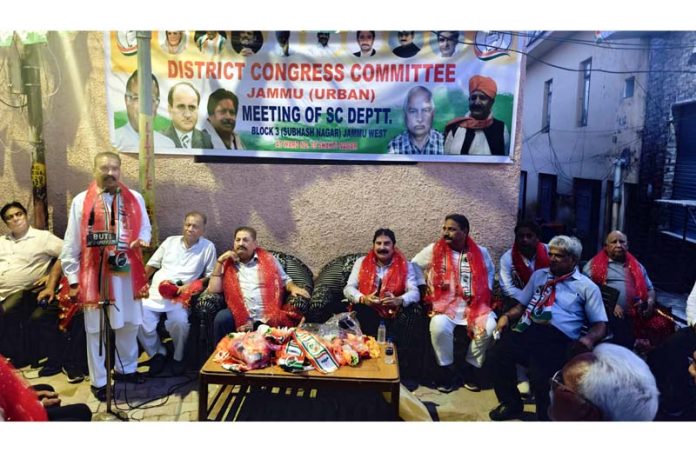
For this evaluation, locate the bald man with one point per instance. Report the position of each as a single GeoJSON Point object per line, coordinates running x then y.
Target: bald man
{"type": "Point", "coordinates": [615, 267]}
{"type": "Point", "coordinates": [478, 132]}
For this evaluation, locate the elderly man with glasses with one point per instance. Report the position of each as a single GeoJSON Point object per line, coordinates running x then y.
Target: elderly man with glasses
{"type": "Point", "coordinates": [609, 384]}
{"type": "Point", "coordinates": [127, 136]}
{"type": "Point", "coordinates": [550, 313]}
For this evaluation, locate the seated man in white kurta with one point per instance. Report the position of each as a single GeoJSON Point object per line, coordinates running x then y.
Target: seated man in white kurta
{"type": "Point", "coordinates": [181, 259]}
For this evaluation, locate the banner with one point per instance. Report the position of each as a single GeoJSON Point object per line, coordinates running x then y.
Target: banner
{"type": "Point", "coordinates": [440, 96]}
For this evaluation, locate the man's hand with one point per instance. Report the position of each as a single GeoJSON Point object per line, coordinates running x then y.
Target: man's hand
{"type": "Point", "coordinates": [390, 300]}
{"type": "Point", "coordinates": [587, 342]}
{"type": "Point", "coordinates": [692, 368]}
{"type": "Point", "coordinates": [48, 398]}
{"type": "Point", "coordinates": [48, 294]}
{"type": "Point", "coordinates": [229, 254]}
{"type": "Point", "coordinates": [298, 291]}
{"type": "Point", "coordinates": [139, 244]}
{"type": "Point", "coordinates": [503, 322]}
{"type": "Point", "coordinates": [249, 326]}
{"type": "Point", "coordinates": [618, 312]}
{"type": "Point", "coordinates": [370, 299]}
{"type": "Point", "coordinates": [41, 281]}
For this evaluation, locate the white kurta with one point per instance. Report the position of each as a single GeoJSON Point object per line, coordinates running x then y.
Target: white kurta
{"type": "Point", "coordinates": [125, 308]}
{"type": "Point", "coordinates": [125, 314]}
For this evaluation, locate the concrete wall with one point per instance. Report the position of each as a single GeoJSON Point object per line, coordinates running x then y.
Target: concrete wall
{"type": "Point", "coordinates": [316, 212]}
{"type": "Point", "coordinates": [614, 122]}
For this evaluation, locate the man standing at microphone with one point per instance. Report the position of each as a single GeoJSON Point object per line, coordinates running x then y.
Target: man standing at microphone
{"type": "Point", "coordinates": [113, 272]}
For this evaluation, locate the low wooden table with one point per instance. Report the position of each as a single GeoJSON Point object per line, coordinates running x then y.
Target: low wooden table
{"type": "Point", "coordinates": [370, 374]}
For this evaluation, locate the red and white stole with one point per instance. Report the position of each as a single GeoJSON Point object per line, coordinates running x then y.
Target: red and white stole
{"type": "Point", "coordinates": [541, 260]}
{"type": "Point", "coordinates": [539, 308]}
{"type": "Point", "coordinates": [600, 266]}
{"type": "Point", "coordinates": [127, 225]}
{"type": "Point", "coordinates": [445, 290]}
{"type": "Point", "coordinates": [393, 282]}
{"type": "Point", "coordinates": [272, 292]}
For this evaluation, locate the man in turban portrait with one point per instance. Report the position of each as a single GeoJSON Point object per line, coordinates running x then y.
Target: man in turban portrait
{"type": "Point", "coordinates": [478, 132]}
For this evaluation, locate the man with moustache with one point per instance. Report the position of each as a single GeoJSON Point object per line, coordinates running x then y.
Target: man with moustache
{"type": "Point", "coordinates": [419, 136]}
{"type": "Point", "coordinates": [186, 260]}
{"type": "Point", "coordinates": [254, 285]}
{"type": "Point", "coordinates": [114, 272]}
{"type": "Point", "coordinates": [25, 265]}
{"type": "Point", "coordinates": [222, 119]}
{"type": "Point", "coordinates": [382, 288]}
{"type": "Point", "coordinates": [323, 48]}
{"type": "Point", "coordinates": [548, 317]}
{"type": "Point", "coordinates": [620, 270]}
{"type": "Point", "coordinates": [526, 255]}
{"type": "Point", "coordinates": [366, 39]}
{"type": "Point", "coordinates": [183, 101]}
{"type": "Point", "coordinates": [407, 47]}
{"type": "Point", "coordinates": [478, 132]}
{"type": "Point", "coordinates": [447, 42]}
{"type": "Point", "coordinates": [128, 136]}
{"type": "Point", "coordinates": [459, 276]}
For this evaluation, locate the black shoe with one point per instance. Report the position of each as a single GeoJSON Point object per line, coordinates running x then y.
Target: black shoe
{"type": "Point", "coordinates": [156, 364]}
{"type": "Point", "coordinates": [99, 393]}
{"type": "Point", "coordinates": [49, 369]}
{"type": "Point", "coordinates": [505, 412]}
{"type": "Point", "coordinates": [178, 367]}
{"type": "Point", "coordinates": [410, 384]}
{"type": "Point", "coordinates": [73, 375]}
{"type": "Point", "coordinates": [133, 377]}
{"type": "Point", "coordinates": [447, 379]}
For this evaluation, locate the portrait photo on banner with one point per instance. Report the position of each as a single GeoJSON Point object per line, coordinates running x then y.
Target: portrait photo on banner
{"type": "Point", "coordinates": [401, 95]}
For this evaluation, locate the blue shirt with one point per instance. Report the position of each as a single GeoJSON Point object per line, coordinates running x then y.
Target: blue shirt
{"type": "Point", "coordinates": [578, 300]}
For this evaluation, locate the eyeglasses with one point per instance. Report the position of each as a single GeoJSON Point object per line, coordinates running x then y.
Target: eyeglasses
{"type": "Point", "coordinates": [583, 405]}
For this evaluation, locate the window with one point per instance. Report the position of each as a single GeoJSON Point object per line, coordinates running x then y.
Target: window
{"type": "Point", "coordinates": [585, 72]}
{"type": "Point", "coordinates": [629, 85]}
{"type": "Point", "coordinates": [546, 118]}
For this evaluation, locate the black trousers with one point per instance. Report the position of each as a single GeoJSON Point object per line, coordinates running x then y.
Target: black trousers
{"type": "Point", "coordinates": [28, 332]}
{"type": "Point", "coordinates": [407, 330]}
{"type": "Point", "coordinates": [542, 348]}
{"type": "Point", "coordinates": [76, 412]}
{"type": "Point", "coordinates": [621, 330]}
{"type": "Point", "coordinates": [669, 364]}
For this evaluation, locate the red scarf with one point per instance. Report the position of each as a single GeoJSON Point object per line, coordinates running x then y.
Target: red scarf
{"type": "Point", "coordinates": [541, 260]}
{"type": "Point", "coordinates": [394, 281]}
{"type": "Point", "coordinates": [272, 293]}
{"type": "Point", "coordinates": [445, 290]}
{"type": "Point", "coordinates": [539, 308]}
{"type": "Point", "coordinates": [467, 122]}
{"type": "Point", "coordinates": [600, 266]}
{"type": "Point", "coordinates": [18, 402]}
{"type": "Point", "coordinates": [89, 259]}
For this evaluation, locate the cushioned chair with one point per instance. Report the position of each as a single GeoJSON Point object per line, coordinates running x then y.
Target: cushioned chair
{"type": "Point", "coordinates": [409, 326]}
{"type": "Point", "coordinates": [208, 304]}
{"type": "Point", "coordinates": [328, 289]}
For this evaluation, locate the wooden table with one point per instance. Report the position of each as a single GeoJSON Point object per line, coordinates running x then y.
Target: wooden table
{"type": "Point", "coordinates": [370, 374]}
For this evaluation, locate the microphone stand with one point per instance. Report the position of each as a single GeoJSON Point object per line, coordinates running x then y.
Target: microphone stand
{"type": "Point", "coordinates": [105, 333]}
